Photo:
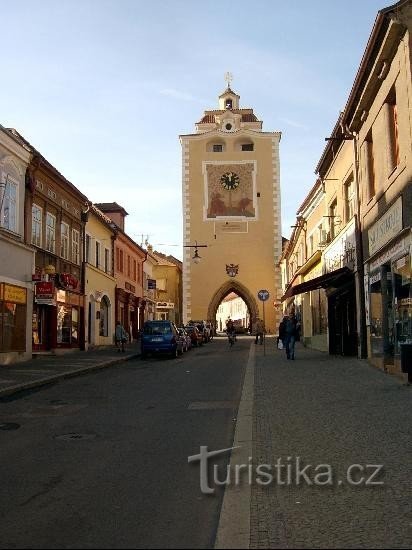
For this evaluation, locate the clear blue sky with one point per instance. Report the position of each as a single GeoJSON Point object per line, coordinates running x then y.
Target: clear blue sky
{"type": "Point", "coordinates": [104, 88]}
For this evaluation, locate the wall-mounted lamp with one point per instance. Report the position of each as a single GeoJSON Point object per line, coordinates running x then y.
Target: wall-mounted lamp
{"type": "Point", "coordinates": [196, 258]}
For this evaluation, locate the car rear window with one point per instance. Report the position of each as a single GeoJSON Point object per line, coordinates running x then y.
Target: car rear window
{"type": "Point", "coordinates": [157, 328]}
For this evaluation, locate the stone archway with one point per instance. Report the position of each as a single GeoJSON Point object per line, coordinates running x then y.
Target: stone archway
{"type": "Point", "coordinates": [241, 291]}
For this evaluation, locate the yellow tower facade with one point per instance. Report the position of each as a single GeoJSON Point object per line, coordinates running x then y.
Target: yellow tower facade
{"type": "Point", "coordinates": [231, 207]}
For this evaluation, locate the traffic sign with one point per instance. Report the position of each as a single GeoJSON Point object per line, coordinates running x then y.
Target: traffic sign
{"type": "Point", "coordinates": [263, 295]}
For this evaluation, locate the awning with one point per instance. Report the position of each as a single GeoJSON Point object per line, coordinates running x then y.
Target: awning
{"type": "Point", "coordinates": [335, 278]}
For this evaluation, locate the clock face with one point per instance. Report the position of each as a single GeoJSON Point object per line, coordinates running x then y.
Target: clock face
{"type": "Point", "coordinates": [229, 180]}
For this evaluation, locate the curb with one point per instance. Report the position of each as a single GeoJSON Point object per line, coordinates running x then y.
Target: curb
{"type": "Point", "coordinates": [234, 527]}
{"type": "Point", "coordinates": [62, 375]}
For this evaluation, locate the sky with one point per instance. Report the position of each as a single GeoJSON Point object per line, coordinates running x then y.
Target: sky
{"type": "Point", "coordinates": [104, 88]}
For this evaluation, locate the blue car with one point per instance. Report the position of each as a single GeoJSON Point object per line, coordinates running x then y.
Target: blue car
{"type": "Point", "coordinates": [161, 337]}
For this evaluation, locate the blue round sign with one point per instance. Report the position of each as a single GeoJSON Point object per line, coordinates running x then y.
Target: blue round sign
{"type": "Point", "coordinates": [263, 295]}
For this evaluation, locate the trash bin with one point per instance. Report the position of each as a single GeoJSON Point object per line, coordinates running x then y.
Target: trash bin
{"type": "Point", "coordinates": [406, 358]}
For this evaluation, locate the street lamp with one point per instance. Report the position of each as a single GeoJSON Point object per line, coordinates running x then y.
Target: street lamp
{"type": "Point", "coordinates": [196, 258]}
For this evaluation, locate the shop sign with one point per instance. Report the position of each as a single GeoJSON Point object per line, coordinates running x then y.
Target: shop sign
{"type": "Point", "coordinates": [15, 294]}
{"type": "Point", "coordinates": [61, 296]}
{"type": "Point", "coordinates": [67, 281]}
{"type": "Point", "coordinates": [375, 278]}
{"type": "Point", "coordinates": [167, 305]}
{"type": "Point", "coordinates": [44, 293]}
{"type": "Point", "coordinates": [342, 251]}
{"type": "Point", "coordinates": [386, 228]}
{"type": "Point", "coordinates": [36, 276]}
{"type": "Point", "coordinates": [384, 258]}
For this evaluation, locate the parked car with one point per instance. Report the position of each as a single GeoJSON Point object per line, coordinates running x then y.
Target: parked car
{"type": "Point", "coordinates": [195, 335]}
{"type": "Point", "coordinates": [185, 338]}
{"type": "Point", "coordinates": [161, 337]}
{"type": "Point", "coordinates": [203, 329]}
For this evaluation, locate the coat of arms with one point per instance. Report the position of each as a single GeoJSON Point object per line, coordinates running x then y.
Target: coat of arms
{"type": "Point", "coordinates": [232, 270]}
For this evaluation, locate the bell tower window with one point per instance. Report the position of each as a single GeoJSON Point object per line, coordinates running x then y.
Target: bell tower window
{"type": "Point", "coordinates": [228, 104]}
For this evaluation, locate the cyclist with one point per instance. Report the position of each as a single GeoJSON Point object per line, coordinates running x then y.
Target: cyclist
{"type": "Point", "coordinates": [230, 330]}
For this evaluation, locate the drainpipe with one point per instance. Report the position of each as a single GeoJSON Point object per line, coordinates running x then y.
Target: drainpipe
{"type": "Point", "coordinates": [360, 272]}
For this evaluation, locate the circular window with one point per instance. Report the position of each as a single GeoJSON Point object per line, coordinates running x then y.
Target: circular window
{"type": "Point", "coordinates": [228, 126]}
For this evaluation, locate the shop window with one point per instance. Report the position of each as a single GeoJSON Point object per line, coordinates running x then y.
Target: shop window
{"type": "Point", "coordinates": [319, 312]}
{"type": "Point", "coordinates": [36, 225]}
{"type": "Point", "coordinates": [13, 312]}
{"type": "Point", "coordinates": [403, 301]}
{"type": "Point", "coordinates": [381, 312]}
{"type": "Point", "coordinates": [67, 324]}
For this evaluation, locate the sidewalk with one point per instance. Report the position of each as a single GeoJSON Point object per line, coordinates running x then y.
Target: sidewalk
{"type": "Point", "coordinates": [328, 413]}
{"type": "Point", "coordinates": [46, 369]}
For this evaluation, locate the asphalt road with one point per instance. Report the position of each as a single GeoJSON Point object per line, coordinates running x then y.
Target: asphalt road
{"type": "Point", "coordinates": [100, 461]}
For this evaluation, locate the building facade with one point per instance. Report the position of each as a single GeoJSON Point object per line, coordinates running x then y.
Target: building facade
{"type": "Point", "coordinates": [231, 206]}
{"type": "Point", "coordinates": [378, 116]}
{"type": "Point", "coordinates": [54, 227]}
{"type": "Point", "coordinates": [167, 272]}
{"type": "Point", "coordinates": [100, 284]}
{"type": "Point", "coordinates": [365, 186]}
{"type": "Point", "coordinates": [16, 257]}
{"type": "Point", "coordinates": [128, 258]}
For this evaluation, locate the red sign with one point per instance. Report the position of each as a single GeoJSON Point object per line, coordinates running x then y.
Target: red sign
{"type": "Point", "coordinates": [68, 281]}
{"type": "Point", "coordinates": [45, 290]}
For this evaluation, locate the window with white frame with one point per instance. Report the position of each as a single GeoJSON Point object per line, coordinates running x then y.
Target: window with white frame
{"type": "Point", "coordinates": [50, 232]}
{"type": "Point", "coordinates": [8, 204]}
{"type": "Point", "coordinates": [36, 224]}
{"type": "Point", "coordinates": [64, 240]}
{"type": "Point", "coordinates": [75, 246]}
{"type": "Point", "coordinates": [349, 199]}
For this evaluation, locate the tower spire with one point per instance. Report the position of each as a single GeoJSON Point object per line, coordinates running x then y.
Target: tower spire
{"type": "Point", "coordinates": [228, 78]}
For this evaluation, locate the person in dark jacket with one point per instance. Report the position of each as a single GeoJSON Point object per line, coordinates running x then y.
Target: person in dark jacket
{"type": "Point", "coordinates": [281, 332]}
{"type": "Point", "coordinates": [291, 332]}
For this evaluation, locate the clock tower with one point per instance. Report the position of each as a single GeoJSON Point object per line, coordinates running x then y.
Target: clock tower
{"type": "Point", "coordinates": [231, 206]}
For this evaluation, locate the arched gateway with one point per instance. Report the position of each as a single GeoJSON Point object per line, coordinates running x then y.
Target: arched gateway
{"type": "Point", "coordinates": [231, 206]}
{"type": "Point", "coordinates": [240, 290]}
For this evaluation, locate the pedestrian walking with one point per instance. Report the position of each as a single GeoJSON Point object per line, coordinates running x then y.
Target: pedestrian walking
{"type": "Point", "coordinates": [120, 336]}
{"type": "Point", "coordinates": [280, 343]}
{"type": "Point", "coordinates": [290, 336]}
{"type": "Point", "coordinates": [259, 330]}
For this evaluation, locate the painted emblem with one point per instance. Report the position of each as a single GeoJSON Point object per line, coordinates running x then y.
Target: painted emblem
{"type": "Point", "coordinates": [232, 270]}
